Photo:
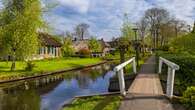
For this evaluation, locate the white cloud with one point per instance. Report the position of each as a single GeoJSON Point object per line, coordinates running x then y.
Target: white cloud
{"type": "Point", "coordinates": [105, 16]}
{"type": "Point", "coordinates": [81, 6]}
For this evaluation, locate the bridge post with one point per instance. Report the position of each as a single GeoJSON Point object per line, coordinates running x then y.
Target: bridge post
{"type": "Point", "coordinates": [121, 82]}
{"type": "Point", "coordinates": [134, 66]}
{"type": "Point", "coordinates": [170, 82]}
{"type": "Point", "coordinates": [160, 66]}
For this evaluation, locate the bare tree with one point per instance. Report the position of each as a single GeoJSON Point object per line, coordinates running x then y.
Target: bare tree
{"type": "Point", "coordinates": [142, 25]}
{"type": "Point", "coordinates": [178, 26]}
{"type": "Point", "coordinates": [155, 17]}
{"type": "Point", "coordinates": [81, 30]}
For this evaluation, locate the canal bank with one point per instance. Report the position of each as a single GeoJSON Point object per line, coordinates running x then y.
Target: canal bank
{"type": "Point", "coordinates": [50, 93]}
{"type": "Point", "coordinates": [50, 73]}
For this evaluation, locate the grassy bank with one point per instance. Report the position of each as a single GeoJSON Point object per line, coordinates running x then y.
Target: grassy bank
{"type": "Point", "coordinates": [96, 103]}
{"type": "Point", "coordinates": [43, 66]}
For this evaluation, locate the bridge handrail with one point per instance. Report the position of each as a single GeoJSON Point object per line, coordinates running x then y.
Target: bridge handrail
{"type": "Point", "coordinates": [168, 63]}
{"type": "Point", "coordinates": [119, 70]}
{"type": "Point", "coordinates": [172, 67]}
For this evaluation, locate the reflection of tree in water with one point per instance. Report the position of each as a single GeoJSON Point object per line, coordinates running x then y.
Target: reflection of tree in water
{"type": "Point", "coordinates": [22, 100]}
{"type": "Point", "coordinates": [85, 76]}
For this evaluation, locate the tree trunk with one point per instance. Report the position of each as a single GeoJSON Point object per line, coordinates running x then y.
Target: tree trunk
{"type": "Point", "coordinates": [13, 66]}
{"type": "Point", "coordinates": [122, 56]}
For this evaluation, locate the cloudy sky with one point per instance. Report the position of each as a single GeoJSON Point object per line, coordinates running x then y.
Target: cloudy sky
{"type": "Point", "coordinates": [105, 16]}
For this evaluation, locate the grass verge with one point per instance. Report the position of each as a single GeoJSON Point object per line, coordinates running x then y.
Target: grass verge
{"type": "Point", "coordinates": [43, 66]}
{"type": "Point", "coordinates": [95, 103]}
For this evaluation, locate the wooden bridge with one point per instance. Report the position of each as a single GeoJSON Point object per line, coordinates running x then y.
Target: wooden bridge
{"type": "Point", "coordinates": [146, 92]}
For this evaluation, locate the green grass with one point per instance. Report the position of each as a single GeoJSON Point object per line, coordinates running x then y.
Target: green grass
{"type": "Point", "coordinates": [43, 66]}
{"type": "Point", "coordinates": [96, 103]}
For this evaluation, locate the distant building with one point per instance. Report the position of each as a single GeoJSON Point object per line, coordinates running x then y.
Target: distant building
{"type": "Point", "coordinates": [49, 47]}
{"type": "Point", "coordinates": [83, 44]}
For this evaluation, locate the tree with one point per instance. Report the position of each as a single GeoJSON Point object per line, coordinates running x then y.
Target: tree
{"type": "Point", "coordinates": [126, 29]}
{"type": "Point", "coordinates": [193, 30]}
{"type": "Point", "coordinates": [67, 48]}
{"type": "Point", "coordinates": [155, 17]}
{"type": "Point", "coordinates": [142, 26]}
{"type": "Point", "coordinates": [81, 30]}
{"type": "Point", "coordinates": [94, 45]}
{"type": "Point", "coordinates": [124, 42]}
{"type": "Point", "coordinates": [20, 21]}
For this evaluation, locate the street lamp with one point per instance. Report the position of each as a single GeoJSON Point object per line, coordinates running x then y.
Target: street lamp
{"type": "Point", "coordinates": [136, 46]}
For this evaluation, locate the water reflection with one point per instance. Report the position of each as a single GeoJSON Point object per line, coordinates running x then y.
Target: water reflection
{"type": "Point", "coordinates": [50, 93]}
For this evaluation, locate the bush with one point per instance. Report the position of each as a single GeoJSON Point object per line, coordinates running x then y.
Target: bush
{"type": "Point", "coordinates": [189, 98]}
{"type": "Point", "coordinates": [30, 65]}
{"type": "Point", "coordinates": [185, 75]}
{"type": "Point", "coordinates": [184, 43]}
{"type": "Point", "coordinates": [84, 52]}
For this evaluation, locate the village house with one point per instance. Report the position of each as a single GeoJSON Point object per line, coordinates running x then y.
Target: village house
{"type": "Point", "coordinates": [83, 44]}
{"type": "Point", "coordinates": [49, 47]}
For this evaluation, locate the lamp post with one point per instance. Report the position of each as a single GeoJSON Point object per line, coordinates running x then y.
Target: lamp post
{"type": "Point", "coordinates": [136, 46]}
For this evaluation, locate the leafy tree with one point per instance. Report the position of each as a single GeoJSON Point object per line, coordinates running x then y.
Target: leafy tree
{"type": "Point", "coordinates": [126, 29]}
{"type": "Point", "coordinates": [94, 45]}
{"type": "Point", "coordinates": [124, 42]}
{"type": "Point", "coordinates": [184, 43]}
{"type": "Point", "coordinates": [67, 48]}
{"type": "Point", "coordinates": [20, 21]}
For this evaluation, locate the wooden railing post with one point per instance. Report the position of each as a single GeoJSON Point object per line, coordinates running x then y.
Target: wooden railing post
{"type": "Point", "coordinates": [119, 70]}
{"type": "Point", "coordinates": [121, 82]}
{"type": "Point", "coordinates": [160, 66]}
{"type": "Point", "coordinates": [170, 82]}
{"type": "Point", "coordinates": [134, 66]}
{"type": "Point", "coordinates": [172, 67]}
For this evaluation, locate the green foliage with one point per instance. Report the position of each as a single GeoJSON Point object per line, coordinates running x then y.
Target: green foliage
{"type": "Point", "coordinates": [184, 44]}
{"type": "Point", "coordinates": [30, 65]}
{"type": "Point", "coordinates": [186, 74]}
{"type": "Point", "coordinates": [189, 98]}
{"type": "Point", "coordinates": [67, 48]}
{"type": "Point", "coordinates": [84, 52]}
{"type": "Point", "coordinates": [96, 103]}
{"type": "Point", "coordinates": [20, 21]}
{"type": "Point", "coordinates": [126, 29]}
{"type": "Point", "coordinates": [94, 45]}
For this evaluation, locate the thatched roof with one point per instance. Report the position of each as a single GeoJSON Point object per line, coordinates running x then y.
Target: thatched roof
{"type": "Point", "coordinates": [48, 40]}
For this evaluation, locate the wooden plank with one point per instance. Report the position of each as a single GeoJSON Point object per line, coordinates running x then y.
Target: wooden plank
{"type": "Point", "coordinates": [146, 91]}
{"type": "Point", "coordinates": [146, 84]}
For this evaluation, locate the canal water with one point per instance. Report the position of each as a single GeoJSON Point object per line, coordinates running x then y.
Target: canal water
{"type": "Point", "coordinates": [50, 93]}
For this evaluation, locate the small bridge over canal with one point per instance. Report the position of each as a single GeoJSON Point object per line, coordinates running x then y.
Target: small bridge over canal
{"type": "Point", "coordinates": [146, 92]}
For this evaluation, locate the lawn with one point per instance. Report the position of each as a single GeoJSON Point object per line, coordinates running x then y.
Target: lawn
{"type": "Point", "coordinates": [44, 66]}
{"type": "Point", "coordinates": [96, 103]}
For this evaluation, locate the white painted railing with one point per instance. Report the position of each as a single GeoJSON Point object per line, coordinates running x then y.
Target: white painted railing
{"type": "Point", "coordinates": [172, 67]}
{"type": "Point", "coordinates": [119, 70]}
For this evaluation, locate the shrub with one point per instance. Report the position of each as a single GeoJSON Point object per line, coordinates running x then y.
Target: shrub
{"type": "Point", "coordinates": [84, 52]}
{"type": "Point", "coordinates": [30, 65]}
{"type": "Point", "coordinates": [185, 75]}
{"type": "Point", "coordinates": [189, 97]}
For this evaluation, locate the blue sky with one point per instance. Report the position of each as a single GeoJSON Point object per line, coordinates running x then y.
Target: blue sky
{"type": "Point", "coordinates": [105, 16]}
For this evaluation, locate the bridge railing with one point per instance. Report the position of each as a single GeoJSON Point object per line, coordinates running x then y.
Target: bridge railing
{"type": "Point", "coordinates": [119, 70]}
{"type": "Point", "coordinates": [172, 67]}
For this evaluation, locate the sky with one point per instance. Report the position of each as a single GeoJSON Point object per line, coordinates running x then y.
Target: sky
{"type": "Point", "coordinates": [105, 17]}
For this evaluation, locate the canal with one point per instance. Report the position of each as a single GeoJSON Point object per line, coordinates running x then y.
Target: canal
{"type": "Point", "coordinates": [50, 93]}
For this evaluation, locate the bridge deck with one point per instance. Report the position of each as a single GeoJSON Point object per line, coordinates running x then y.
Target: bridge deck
{"type": "Point", "coordinates": [146, 91]}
